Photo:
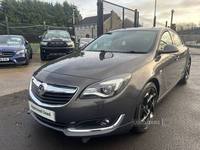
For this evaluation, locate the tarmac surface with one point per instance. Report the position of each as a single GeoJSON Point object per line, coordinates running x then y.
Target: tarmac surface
{"type": "Point", "coordinates": [14, 78]}
{"type": "Point", "coordinates": [178, 115]}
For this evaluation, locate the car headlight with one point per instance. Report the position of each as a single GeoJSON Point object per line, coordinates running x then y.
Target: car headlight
{"type": "Point", "coordinates": [44, 43]}
{"type": "Point", "coordinates": [107, 88]}
{"type": "Point", "coordinates": [20, 52]}
{"type": "Point", "coordinates": [70, 43]}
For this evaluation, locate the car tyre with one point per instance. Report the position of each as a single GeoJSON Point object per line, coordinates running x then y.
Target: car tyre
{"type": "Point", "coordinates": [31, 55]}
{"type": "Point", "coordinates": [145, 109]}
{"type": "Point", "coordinates": [43, 57]}
{"type": "Point", "coordinates": [186, 74]}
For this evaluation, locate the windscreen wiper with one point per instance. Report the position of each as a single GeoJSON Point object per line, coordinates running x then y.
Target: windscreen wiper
{"type": "Point", "coordinates": [130, 52]}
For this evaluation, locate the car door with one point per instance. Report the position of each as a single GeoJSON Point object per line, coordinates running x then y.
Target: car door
{"type": "Point", "coordinates": [181, 55]}
{"type": "Point", "coordinates": [169, 65]}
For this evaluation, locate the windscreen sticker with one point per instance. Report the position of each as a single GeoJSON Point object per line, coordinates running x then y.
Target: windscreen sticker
{"type": "Point", "coordinates": [124, 43]}
{"type": "Point", "coordinates": [15, 39]}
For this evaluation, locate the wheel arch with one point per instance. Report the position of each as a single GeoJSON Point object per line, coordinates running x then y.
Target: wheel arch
{"type": "Point", "coordinates": [156, 82]}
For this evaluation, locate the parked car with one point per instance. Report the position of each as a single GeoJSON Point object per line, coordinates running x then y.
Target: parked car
{"type": "Point", "coordinates": [84, 42]}
{"type": "Point", "coordinates": [110, 89]}
{"type": "Point", "coordinates": [14, 49]}
{"type": "Point", "coordinates": [56, 43]}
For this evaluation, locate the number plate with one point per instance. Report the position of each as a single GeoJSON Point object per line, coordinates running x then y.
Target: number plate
{"type": "Point", "coordinates": [4, 59]}
{"type": "Point", "coordinates": [48, 114]}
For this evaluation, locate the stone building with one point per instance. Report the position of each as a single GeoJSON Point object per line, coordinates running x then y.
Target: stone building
{"type": "Point", "coordinates": [87, 28]}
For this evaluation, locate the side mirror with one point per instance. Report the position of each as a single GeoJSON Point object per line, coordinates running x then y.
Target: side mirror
{"type": "Point", "coordinates": [40, 36]}
{"type": "Point", "coordinates": [105, 55]}
{"type": "Point", "coordinates": [83, 46]}
{"type": "Point", "coordinates": [26, 42]}
{"type": "Point", "coordinates": [73, 37]}
{"type": "Point", "coordinates": [168, 49]}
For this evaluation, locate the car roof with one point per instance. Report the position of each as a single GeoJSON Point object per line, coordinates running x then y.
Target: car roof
{"type": "Point", "coordinates": [159, 29]}
{"type": "Point", "coordinates": [86, 38]}
{"type": "Point", "coordinates": [57, 30]}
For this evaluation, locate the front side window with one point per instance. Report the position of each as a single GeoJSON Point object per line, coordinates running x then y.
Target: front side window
{"type": "Point", "coordinates": [176, 40]}
{"type": "Point", "coordinates": [166, 39]}
{"type": "Point", "coordinates": [124, 41]}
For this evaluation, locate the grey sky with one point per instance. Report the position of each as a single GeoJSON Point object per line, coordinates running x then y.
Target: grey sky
{"type": "Point", "coordinates": [185, 10]}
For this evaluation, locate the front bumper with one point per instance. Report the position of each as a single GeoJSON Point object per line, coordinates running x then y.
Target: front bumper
{"type": "Point", "coordinates": [18, 60]}
{"type": "Point", "coordinates": [78, 111]}
{"type": "Point", "coordinates": [56, 50]}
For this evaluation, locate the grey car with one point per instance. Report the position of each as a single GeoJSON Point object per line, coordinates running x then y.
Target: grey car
{"type": "Point", "coordinates": [112, 86]}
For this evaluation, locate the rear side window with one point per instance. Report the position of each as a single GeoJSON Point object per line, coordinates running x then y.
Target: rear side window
{"type": "Point", "coordinates": [176, 40]}
{"type": "Point", "coordinates": [166, 39]}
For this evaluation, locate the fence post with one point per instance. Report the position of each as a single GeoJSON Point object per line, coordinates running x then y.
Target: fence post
{"type": "Point", "coordinates": [100, 18]}
{"type": "Point", "coordinates": [45, 26]}
{"type": "Point", "coordinates": [7, 26]}
{"type": "Point", "coordinates": [166, 24]}
{"type": "Point", "coordinates": [92, 32]}
{"type": "Point", "coordinates": [135, 19]}
{"type": "Point", "coordinates": [123, 18]}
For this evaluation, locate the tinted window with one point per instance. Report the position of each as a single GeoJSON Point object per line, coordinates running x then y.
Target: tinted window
{"type": "Point", "coordinates": [10, 40]}
{"type": "Point", "coordinates": [166, 39]}
{"type": "Point", "coordinates": [56, 34]}
{"type": "Point", "coordinates": [176, 39]}
{"type": "Point", "coordinates": [124, 41]}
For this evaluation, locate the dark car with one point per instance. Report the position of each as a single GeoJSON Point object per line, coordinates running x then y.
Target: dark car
{"type": "Point", "coordinates": [112, 86]}
{"type": "Point", "coordinates": [14, 49]}
{"type": "Point", "coordinates": [55, 43]}
{"type": "Point", "coordinates": [84, 42]}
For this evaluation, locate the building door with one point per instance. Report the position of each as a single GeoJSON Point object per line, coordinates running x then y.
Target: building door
{"type": "Point", "coordinates": [87, 36]}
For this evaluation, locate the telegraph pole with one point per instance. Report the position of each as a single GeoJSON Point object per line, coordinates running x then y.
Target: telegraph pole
{"type": "Point", "coordinates": [7, 26]}
{"type": "Point", "coordinates": [172, 12]}
{"type": "Point", "coordinates": [154, 21]}
{"type": "Point", "coordinates": [100, 18]}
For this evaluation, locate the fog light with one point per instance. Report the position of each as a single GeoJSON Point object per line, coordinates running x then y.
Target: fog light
{"type": "Point", "coordinates": [104, 122]}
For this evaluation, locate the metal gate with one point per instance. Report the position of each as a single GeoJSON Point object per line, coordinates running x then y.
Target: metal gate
{"type": "Point", "coordinates": [111, 16]}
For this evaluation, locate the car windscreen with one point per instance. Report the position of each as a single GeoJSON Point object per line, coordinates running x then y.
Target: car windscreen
{"type": "Point", "coordinates": [56, 34]}
{"type": "Point", "coordinates": [125, 42]}
{"type": "Point", "coordinates": [10, 40]}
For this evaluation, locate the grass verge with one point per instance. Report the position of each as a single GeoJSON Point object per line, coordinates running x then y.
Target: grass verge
{"type": "Point", "coordinates": [35, 44]}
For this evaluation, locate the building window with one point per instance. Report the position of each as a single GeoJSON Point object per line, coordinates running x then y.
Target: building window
{"type": "Point", "coordinates": [81, 27]}
{"type": "Point", "coordinates": [85, 27]}
{"type": "Point", "coordinates": [94, 26]}
{"type": "Point", "coordinates": [89, 26]}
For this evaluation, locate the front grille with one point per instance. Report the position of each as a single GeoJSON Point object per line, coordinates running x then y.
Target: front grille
{"type": "Point", "coordinates": [57, 44]}
{"type": "Point", "coordinates": [52, 97]}
{"type": "Point", "coordinates": [6, 54]}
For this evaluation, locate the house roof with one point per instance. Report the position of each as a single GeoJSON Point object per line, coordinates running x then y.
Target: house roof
{"type": "Point", "coordinates": [92, 20]}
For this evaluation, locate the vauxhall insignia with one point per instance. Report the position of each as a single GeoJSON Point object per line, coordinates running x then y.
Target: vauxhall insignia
{"type": "Point", "coordinates": [41, 89]}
